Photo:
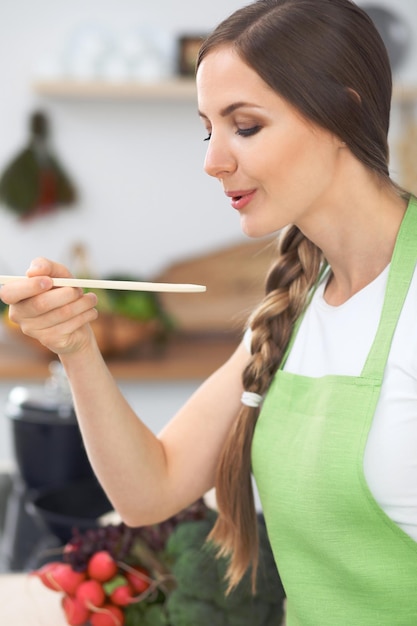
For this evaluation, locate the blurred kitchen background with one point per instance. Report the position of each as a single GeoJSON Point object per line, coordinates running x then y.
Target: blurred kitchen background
{"type": "Point", "coordinates": [111, 83]}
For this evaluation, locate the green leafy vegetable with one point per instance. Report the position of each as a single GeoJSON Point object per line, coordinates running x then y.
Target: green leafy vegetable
{"type": "Point", "coordinates": [200, 597]}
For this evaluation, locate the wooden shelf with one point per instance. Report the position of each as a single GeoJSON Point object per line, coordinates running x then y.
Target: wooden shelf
{"type": "Point", "coordinates": [184, 358]}
{"type": "Point", "coordinates": [173, 89]}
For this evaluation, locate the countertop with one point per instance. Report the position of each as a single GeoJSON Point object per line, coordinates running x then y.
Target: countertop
{"type": "Point", "coordinates": [184, 357]}
{"type": "Point", "coordinates": [24, 601]}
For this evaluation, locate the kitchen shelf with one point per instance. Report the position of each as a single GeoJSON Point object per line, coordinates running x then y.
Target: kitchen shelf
{"type": "Point", "coordinates": [172, 89]}
{"type": "Point", "coordinates": [186, 357]}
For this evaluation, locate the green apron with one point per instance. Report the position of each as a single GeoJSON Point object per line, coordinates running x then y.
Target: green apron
{"type": "Point", "coordinates": [342, 560]}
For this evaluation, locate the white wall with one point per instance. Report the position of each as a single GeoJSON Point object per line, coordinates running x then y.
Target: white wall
{"type": "Point", "coordinates": [144, 199]}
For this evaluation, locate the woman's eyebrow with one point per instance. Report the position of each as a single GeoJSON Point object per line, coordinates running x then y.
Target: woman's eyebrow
{"type": "Point", "coordinates": [231, 108]}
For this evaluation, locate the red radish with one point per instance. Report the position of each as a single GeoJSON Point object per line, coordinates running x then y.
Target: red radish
{"type": "Point", "coordinates": [108, 615]}
{"type": "Point", "coordinates": [64, 578]}
{"type": "Point", "coordinates": [90, 593]}
{"type": "Point", "coordinates": [122, 596]}
{"type": "Point", "coordinates": [69, 547]}
{"type": "Point", "coordinates": [138, 578]}
{"type": "Point", "coordinates": [44, 574]}
{"type": "Point", "coordinates": [102, 566]}
{"type": "Point", "coordinates": [75, 612]}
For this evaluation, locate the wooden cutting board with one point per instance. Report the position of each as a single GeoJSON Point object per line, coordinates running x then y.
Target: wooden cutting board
{"type": "Point", "coordinates": [234, 276]}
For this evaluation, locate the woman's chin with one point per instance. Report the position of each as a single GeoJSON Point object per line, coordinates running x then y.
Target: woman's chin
{"type": "Point", "coordinates": [255, 230]}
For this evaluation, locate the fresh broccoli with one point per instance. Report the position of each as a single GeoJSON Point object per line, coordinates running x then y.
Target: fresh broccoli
{"type": "Point", "coordinates": [194, 560]}
{"type": "Point", "coordinates": [153, 615]}
{"type": "Point", "coordinates": [200, 597]}
{"type": "Point", "coordinates": [190, 534]}
{"type": "Point", "coordinates": [184, 610]}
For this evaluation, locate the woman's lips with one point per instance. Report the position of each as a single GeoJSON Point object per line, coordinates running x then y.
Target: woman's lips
{"type": "Point", "coordinates": [240, 199]}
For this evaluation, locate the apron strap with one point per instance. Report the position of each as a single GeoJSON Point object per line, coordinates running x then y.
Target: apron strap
{"type": "Point", "coordinates": [403, 262]}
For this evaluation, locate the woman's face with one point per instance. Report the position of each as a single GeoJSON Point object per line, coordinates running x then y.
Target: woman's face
{"type": "Point", "coordinates": [275, 165]}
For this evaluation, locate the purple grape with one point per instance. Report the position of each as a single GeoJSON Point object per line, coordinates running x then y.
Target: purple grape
{"type": "Point", "coordinates": [118, 539]}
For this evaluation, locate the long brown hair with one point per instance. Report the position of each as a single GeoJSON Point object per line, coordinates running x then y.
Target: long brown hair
{"type": "Point", "coordinates": [327, 59]}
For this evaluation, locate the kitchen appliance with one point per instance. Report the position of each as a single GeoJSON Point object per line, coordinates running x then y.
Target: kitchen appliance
{"type": "Point", "coordinates": [54, 485]}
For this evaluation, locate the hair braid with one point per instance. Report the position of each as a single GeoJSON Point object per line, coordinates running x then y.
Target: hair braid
{"type": "Point", "coordinates": [287, 286]}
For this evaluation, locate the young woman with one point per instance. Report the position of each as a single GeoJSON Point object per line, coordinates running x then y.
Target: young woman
{"type": "Point", "coordinates": [320, 398]}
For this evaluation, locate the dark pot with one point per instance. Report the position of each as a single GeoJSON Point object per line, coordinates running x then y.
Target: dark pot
{"type": "Point", "coordinates": [47, 442]}
{"type": "Point", "coordinates": [62, 509]}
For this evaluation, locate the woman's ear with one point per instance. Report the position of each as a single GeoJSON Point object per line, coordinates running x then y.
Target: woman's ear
{"type": "Point", "coordinates": [354, 95]}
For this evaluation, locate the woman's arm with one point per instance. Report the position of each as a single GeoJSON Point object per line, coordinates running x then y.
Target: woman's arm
{"type": "Point", "coordinates": [147, 478]}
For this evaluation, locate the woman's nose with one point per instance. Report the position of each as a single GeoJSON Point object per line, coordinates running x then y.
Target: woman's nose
{"type": "Point", "coordinates": [219, 161]}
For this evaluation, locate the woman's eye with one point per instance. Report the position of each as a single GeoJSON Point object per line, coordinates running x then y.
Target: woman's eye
{"type": "Point", "coordinates": [248, 132]}
{"type": "Point", "coordinates": [242, 132]}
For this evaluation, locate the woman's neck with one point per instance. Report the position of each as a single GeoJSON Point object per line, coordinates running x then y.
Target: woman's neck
{"type": "Point", "coordinates": [356, 231]}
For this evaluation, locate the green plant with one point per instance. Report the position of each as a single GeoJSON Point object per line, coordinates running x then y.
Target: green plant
{"type": "Point", "coordinates": [181, 580]}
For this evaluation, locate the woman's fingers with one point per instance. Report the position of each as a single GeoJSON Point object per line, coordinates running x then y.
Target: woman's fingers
{"type": "Point", "coordinates": [68, 335]}
{"type": "Point", "coordinates": [45, 267]}
{"type": "Point", "coordinates": [58, 318]}
{"type": "Point", "coordinates": [18, 290]}
{"type": "Point", "coordinates": [51, 308]}
{"type": "Point", "coordinates": [39, 280]}
{"type": "Point", "coordinates": [55, 316]}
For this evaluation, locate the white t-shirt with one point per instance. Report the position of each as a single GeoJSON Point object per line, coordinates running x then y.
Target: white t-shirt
{"type": "Point", "coordinates": [337, 340]}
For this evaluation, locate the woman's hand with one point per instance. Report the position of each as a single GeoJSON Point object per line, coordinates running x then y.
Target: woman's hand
{"type": "Point", "coordinates": [57, 317]}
